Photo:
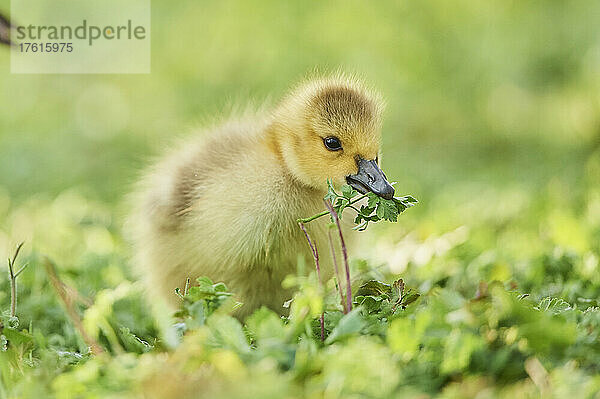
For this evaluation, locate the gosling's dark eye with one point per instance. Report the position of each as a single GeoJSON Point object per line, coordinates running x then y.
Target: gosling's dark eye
{"type": "Point", "coordinates": [332, 143]}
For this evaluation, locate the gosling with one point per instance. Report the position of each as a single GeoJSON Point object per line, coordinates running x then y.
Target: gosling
{"type": "Point", "coordinates": [226, 206]}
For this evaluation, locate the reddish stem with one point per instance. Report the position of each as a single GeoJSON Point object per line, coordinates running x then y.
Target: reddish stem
{"type": "Point", "coordinates": [336, 219]}
{"type": "Point", "coordinates": [315, 253]}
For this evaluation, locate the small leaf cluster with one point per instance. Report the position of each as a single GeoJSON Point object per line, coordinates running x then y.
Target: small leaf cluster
{"type": "Point", "coordinates": [377, 296]}
{"type": "Point", "coordinates": [375, 210]}
{"type": "Point", "coordinates": [340, 201]}
{"type": "Point", "coordinates": [200, 301]}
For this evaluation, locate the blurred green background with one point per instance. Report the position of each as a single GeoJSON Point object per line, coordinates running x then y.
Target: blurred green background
{"type": "Point", "coordinates": [489, 93]}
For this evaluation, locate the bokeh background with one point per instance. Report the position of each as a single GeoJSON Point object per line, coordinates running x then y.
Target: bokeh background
{"type": "Point", "coordinates": [493, 123]}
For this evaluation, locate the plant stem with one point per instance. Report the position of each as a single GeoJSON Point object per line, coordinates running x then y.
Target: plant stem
{"type": "Point", "coordinates": [336, 219]}
{"type": "Point", "coordinates": [337, 271]}
{"type": "Point", "coordinates": [13, 293]}
{"type": "Point", "coordinates": [13, 280]}
{"type": "Point", "coordinates": [318, 215]}
{"type": "Point", "coordinates": [313, 217]}
{"type": "Point", "coordinates": [13, 297]}
{"type": "Point", "coordinates": [187, 286]}
{"type": "Point", "coordinates": [315, 253]}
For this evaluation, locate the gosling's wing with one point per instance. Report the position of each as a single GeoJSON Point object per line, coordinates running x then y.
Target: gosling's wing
{"type": "Point", "coordinates": [191, 175]}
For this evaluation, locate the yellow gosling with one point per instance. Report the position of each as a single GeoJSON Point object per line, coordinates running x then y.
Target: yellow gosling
{"type": "Point", "coordinates": [226, 206]}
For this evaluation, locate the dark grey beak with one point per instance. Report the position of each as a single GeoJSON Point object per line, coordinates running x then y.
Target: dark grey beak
{"type": "Point", "coordinates": [370, 178]}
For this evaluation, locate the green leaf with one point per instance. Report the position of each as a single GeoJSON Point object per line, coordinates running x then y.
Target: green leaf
{"type": "Point", "coordinates": [398, 288]}
{"type": "Point", "coordinates": [373, 200]}
{"type": "Point", "coordinates": [380, 211]}
{"type": "Point", "coordinates": [553, 305]}
{"type": "Point", "coordinates": [369, 302]}
{"type": "Point", "coordinates": [197, 314]}
{"type": "Point", "coordinates": [348, 192]}
{"type": "Point", "coordinates": [408, 199]}
{"type": "Point", "coordinates": [16, 337]}
{"type": "Point", "coordinates": [133, 343]}
{"type": "Point", "coordinates": [331, 194]}
{"type": "Point", "coordinates": [374, 288]}
{"type": "Point", "coordinates": [266, 325]}
{"type": "Point", "coordinates": [227, 333]}
{"type": "Point", "coordinates": [202, 300]}
{"type": "Point", "coordinates": [349, 325]}
{"type": "Point", "coordinates": [390, 210]}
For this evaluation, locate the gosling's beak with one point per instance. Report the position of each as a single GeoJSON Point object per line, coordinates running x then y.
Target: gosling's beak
{"type": "Point", "coordinates": [371, 178]}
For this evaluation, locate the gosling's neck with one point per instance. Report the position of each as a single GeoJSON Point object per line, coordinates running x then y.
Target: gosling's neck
{"type": "Point", "coordinates": [271, 141]}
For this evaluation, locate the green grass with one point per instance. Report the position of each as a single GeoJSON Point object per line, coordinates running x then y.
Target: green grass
{"type": "Point", "coordinates": [508, 305]}
{"type": "Point", "coordinates": [492, 123]}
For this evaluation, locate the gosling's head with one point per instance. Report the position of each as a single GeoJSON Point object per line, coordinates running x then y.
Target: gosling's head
{"type": "Point", "coordinates": [330, 128]}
